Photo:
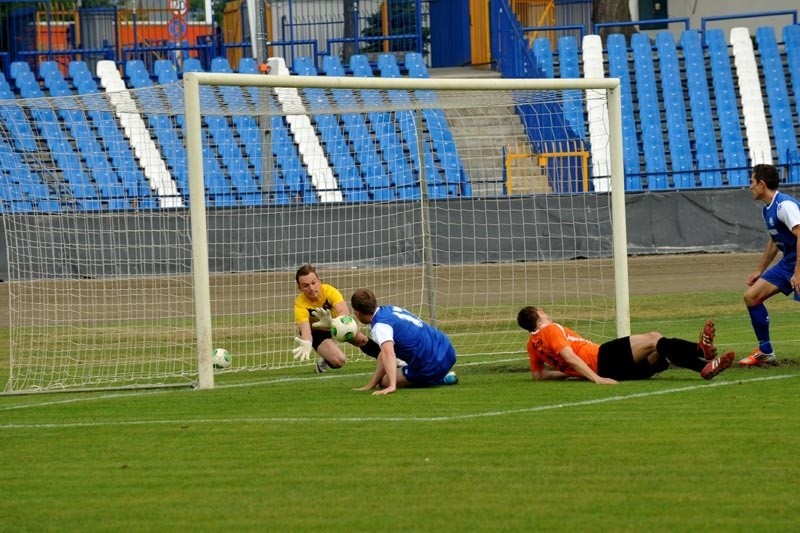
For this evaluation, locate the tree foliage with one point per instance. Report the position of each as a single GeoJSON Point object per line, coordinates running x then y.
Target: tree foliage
{"type": "Point", "coordinates": [612, 11]}
{"type": "Point", "coordinates": [402, 21]}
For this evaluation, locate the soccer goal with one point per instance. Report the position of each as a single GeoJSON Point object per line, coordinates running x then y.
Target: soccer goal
{"type": "Point", "coordinates": [172, 218]}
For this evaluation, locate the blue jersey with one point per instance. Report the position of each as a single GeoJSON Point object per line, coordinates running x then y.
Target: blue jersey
{"type": "Point", "coordinates": [423, 347]}
{"type": "Point", "coordinates": [781, 215]}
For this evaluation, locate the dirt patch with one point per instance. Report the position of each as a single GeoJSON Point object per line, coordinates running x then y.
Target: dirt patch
{"type": "Point", "coordinates": [648, 275]}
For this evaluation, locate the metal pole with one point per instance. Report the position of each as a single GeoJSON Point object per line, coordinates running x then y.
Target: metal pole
{"type": "Point", "coordinates": [427, 246]}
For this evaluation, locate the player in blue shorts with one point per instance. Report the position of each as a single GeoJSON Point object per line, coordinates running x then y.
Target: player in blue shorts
{"type": "Point", "coordinates": [782, 216]}
{"type": "Point", "coordinates": [428, 353]}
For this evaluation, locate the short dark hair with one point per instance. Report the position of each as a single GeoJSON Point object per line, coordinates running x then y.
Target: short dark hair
{"type": "Point", "coordinates": [528, 318]}
{"type": "Point", "coordinates": [304, 270]}
{"type": "Point", "coordinates": [364, 301]}
{"type": "Point", "coordinates": [768, 174]}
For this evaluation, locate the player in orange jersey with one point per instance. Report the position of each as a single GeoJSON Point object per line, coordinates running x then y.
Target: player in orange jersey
{"type": "Point", "coordinates": [557, 352]}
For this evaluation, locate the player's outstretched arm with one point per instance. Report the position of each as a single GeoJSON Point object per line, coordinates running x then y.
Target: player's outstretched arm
{"type": "Point", "coordinates": [543, 375]}
{"type": "Point", "coordinates": [376, 377]}
{"type": "Point", "coordinates": [583, 369]}
{"type": "Point", "coordinates": [388, 360]}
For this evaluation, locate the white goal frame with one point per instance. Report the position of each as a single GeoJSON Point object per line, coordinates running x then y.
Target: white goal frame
{"type": "Point", "coordinates": [192, 101]}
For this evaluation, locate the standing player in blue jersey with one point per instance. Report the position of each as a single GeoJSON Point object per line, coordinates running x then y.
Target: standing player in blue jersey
{"type": "Point", "coordinates": [428, 353]}
{"type": "Point", "coordinates": [782, 216]}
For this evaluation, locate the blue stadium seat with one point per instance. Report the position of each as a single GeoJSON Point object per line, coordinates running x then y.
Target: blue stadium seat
{"type": "Point", "coordinates": [728, 116]}
{"type": "Point", "coordinates": [780, 108]}
{"type": "Point", "coordinates": [77, 68]}
{"type": "Point", "coordinates": [618, 67]}
{"type": "Point", "coordinates": [332, 66]}
{"type": "Point", "coordinates": [386, 59]}
{"type": "Point", "coordinates": [573, 100]}
{"type": "Point", "coordinates": [413, 59]}
{"type": "Point", "coordinates": [18, 67]}
{"type": "Point", "coordinates": [220, 64]}
{"type": "Point", "coordinates": [543, 53]}
{"type": "Point", "coordinates": [649, 114]}
{"type": "Point", "coordinates": [675, 109]}
{"type": "Point", "coordinates": [707, 153]}
{"type": "Point", "coordinates": [247, 65]}
{"type": "Point", "coordinates": [192, 64]}
{"type": "Point", "coordinates": [359, 65]}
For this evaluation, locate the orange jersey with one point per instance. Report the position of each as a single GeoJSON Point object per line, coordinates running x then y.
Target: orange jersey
{"type": "Point", "coordinates": [546, 343]}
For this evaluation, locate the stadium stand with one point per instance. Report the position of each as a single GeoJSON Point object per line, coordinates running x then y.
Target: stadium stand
{"type": "Point", "coordinates": [543, 53]}
{"type": "Point", "coordinates": [675, 109]}
{"type": "Point", "coordinates": [706, 151]}
{"type": "Point", "coordinates": [597, 112]}
{"type": "Point", "coordinates": [727, 109]}
{"type": "Point", "coordinates": [325, 188]}
{"type": "Point", "coordinates": [618, 67]}
{"type": "Point", "coordinates": [568, 65]}
{"type": "Point", "coordinates": [649, 113]}
{"type": "Point", "coordinates": [791, 40]}
{"type": "Point", "coordinates": [783, 129]}
{"type": "Point", "coordinates": [695, 117]}
{"type": "Point", "coordinates": [749, 83]}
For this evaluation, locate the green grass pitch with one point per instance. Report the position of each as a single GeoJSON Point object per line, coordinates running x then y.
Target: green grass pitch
{"type": "Point", "coordinates": [291, 450]}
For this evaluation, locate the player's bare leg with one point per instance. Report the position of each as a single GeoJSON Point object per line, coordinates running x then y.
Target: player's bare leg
{"type": "Point", "coordinates": [330, 352]}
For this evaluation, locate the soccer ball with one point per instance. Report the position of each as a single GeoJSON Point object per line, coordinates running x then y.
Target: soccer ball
{"type": "Point", "coordinates": [221, 358]}
{"type": "Point", "coordinates": [344, 328]}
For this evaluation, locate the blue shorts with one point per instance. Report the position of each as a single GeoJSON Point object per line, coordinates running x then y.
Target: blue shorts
{"type": "Point", "coordinates": [780, 275]}
{"type": "Point", "coordinates": [431, 375]}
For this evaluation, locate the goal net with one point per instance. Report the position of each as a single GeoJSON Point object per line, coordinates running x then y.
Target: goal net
{"type": "Point", "coordinates": [158, 223]}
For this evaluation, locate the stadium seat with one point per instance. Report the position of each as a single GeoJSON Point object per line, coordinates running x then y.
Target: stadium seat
{"type": "Point", "coordinates": [751, 97]}
{"type": "Point", "coordinates": [17, 68]}
{"type": "Point", "coordinates": [783, 129]}
{"type": "Point", "coordinates": [192, 64]}
{"type": "Point", "coordinates": [543, 53]}
{"type": "Point", "coordinates": [650, 118]}
{"type": "Point", "coordinates": [618, 67]}
{"type": "Point", "coordinates": [359, 65]}
{"type": "Point", "coordinates": [573, 101]}
{"type": "Point", "coordinates": [247, 65]}
{"type": "Point", "coordinates": [332, 66]}
{"type": "Point", "coordinates": [675, 110]}
{"type": "Point", "coordinates": [707, 153]}
{"type": "Point", "coordinates": [728, 116]}
{"type": "Point", "coordinates": [220, 64]}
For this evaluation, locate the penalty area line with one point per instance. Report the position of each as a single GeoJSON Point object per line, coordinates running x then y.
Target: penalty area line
{"type": "Point", "coordinates": [469, 416]}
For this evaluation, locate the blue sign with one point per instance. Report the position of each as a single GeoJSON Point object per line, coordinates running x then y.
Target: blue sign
{"type": "Point", "coordinates": [177, 28]}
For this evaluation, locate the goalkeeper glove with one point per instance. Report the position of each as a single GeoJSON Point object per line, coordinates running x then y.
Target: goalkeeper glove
{"type": "Point", "coordinates": [323, 317]}
{"type": "Point", "coordinates": [303, 350]}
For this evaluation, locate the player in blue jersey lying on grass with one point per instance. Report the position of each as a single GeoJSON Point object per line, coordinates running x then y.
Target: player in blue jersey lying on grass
{"type": "Point", "coordinates": [782, 217]}
{"type": "Point", "coordinates": [428, 353]}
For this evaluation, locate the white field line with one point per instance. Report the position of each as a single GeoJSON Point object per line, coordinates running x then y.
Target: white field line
{"type": "Point", "coordinates": [469, 416]}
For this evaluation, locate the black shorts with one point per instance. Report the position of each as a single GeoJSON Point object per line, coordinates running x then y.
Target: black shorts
{"type": "Point", "coordinates": [615, 361]}
{"type": "Point", "coordinates": [319, 335]}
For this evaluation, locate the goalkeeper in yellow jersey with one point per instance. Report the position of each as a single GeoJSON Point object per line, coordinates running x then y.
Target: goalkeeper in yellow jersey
{"type": "Point", "coordinates": [314, 308]}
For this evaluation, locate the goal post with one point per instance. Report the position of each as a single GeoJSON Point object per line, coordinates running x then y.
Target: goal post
{"type": "Point", "coordinates": [162, 222]}
{"type": "Point", "coordinates": [193, 81]}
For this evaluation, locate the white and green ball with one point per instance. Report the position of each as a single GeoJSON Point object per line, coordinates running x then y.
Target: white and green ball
{"type": "Point", "coordinates": [221, 358]}
{"type": "Point", "coordinates": [344, 328]}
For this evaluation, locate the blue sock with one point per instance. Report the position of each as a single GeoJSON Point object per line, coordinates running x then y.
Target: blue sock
{"type": "Point", "coordinates": [759, 317]}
